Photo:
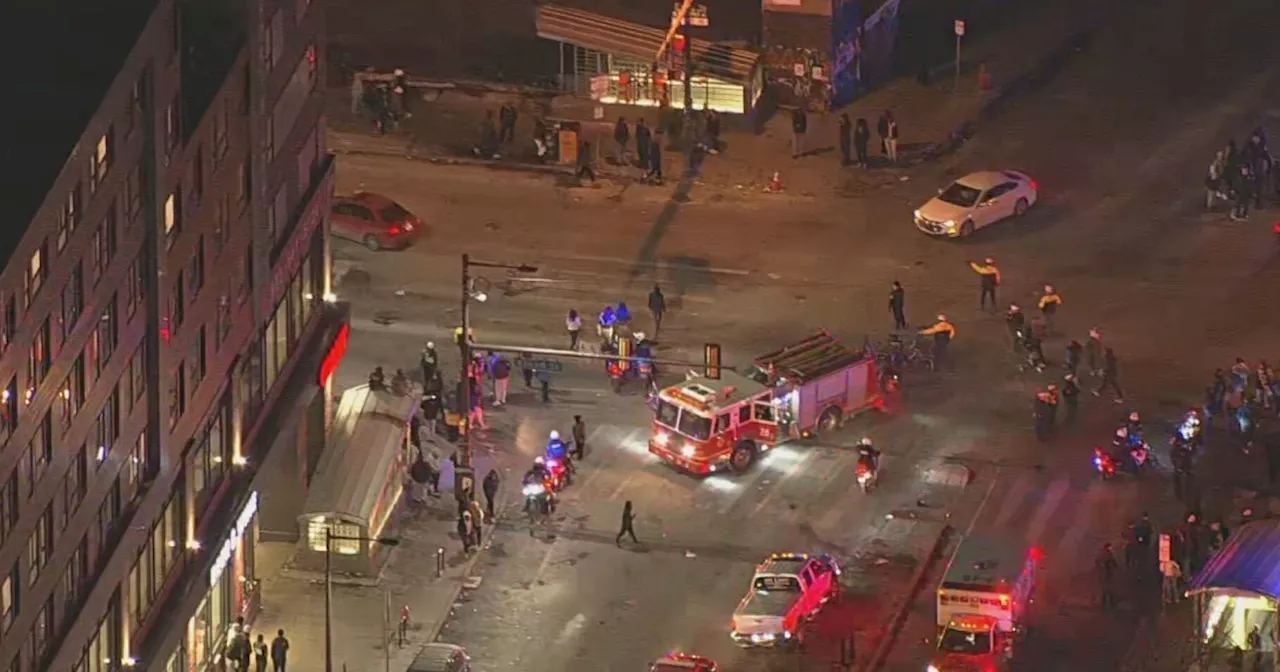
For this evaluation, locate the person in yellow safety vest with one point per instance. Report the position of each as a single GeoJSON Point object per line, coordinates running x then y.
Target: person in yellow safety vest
{"type": "Point", "coordinates": [1049, 303]}
{"type": "Point", "coordinates": [989, 277]}
{"type": "Point", "coordinates": [457, 336]}
{"type": "Point", "coordinates": [942, 332]}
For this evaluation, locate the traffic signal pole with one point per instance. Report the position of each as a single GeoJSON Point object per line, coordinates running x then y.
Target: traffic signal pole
{"type": "Point", "coordinates": [574, 354]}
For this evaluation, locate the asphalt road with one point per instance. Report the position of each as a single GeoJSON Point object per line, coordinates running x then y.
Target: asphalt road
{"type": "Point", "coordinates": [1118, 142]}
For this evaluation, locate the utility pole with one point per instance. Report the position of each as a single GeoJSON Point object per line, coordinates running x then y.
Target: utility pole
{"type": "Point", "coordinates": [688, 67]}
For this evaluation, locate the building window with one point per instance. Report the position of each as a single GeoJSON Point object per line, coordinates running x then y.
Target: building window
{"type": "Point", "coordinates": [38, 362]}
{"type": "Point", "coordinates": [172, 214]}
{"type": "Point", "coordinates": [8, 505]}
{"type": "Point", "coordinates": [42, 633]}
{"type": "Point", "coordinates": [246, 277]}
{"type": "Point", "coordinates": [8, 409]}
{"type": "Point", "coordinates": [222, 224]}
{"type": "Point", "coordinates": [278, 216]}
{"type": "Point", "coordinates": [172, 127]}
{"type": "Point", "coordinates": [109, 514]}
{"type": "Point", "coordinates": [40, 545]}
{"type": "Point", "coordinates": [68, 217]}
{"type": "Point", "coordinates": [133, 287]}
{"type": "Point", "coordinates": [72, 300]}
{"type": "Point", "coordinates": [273, 39]}
{"type": "Point", "coordinates": [71, 396]}
{"type": "Point", "coordinates": [220, 124]}
{"type": "Point", "coordinates": [39, 453]}
{"type": "Point", "coordinates": [196, 362]}
{"type": "Point", "coordinates": [137, 375]}
{"type": "Point", "coordinates": [104, 242]}
{"type": "Point", "coordinates": [137, 102]}
{"type": "Point", "coordinates": [73, 578]}
{"type": "Point", "coordinates": [195, 270]}
{"type": "Point", "coordinates": [197, 177]}
{"type": "Point", "coordinates": [207, 462]}
{"type": "Point", "coordinates": [105, 334]}
{"type": "Point", "coordinates": [107, 429]}
{"type": "Point", "coordinates": [244, 180]}
{"type": "Point", "coordinates": [73, 486]}
{"type": "Point", "coordinates": [270, 140]}
{"type": "Point", "coordinates": [178, 301]}
{"type": "Point", "coordinates": [134, 187]}
{"type": "Point", "coordinates": [135, 470]}
{"type": "Point", "coordinates": [10, 326]}
{"type": "Point", "coordinates": [9, 599]}
{"type": "Point", "coordinates": [100, 162]}
{"type": "Point", "coordinates": [36, 272]}
{"type": "Point", "coordinates": [222, 322]}
{"type": "Point", "coordinates": [177, 395]}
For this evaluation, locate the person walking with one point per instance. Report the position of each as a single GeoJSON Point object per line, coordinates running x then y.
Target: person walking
{"type": "Point", "coordinates": [573, 325]}
{"type": "Point", "coordinates": [476, 509]}
{"type": "Point", "coordinates": [1016, 323]}
{"type": "Point", "coordinates": [1074, 352]}
{"type": "Point", "coordinates": [712, 128]}
{"type": "Point", "coordinates": [891, 139]}
{"type": "Point", "coordinates": [654, 174]}
{"type": "Point", "coordinates": [501, 380]}
{"type": "Point", "coordinates": [799, 126]}
{"type": "Point", "coordinates": [861, 138]}
{"type": "Point", "coordinates": [579, 438]}
{"type": "Point", "coordinates": [429, 362]}
{"type": "Point", "coordinates": [1093, 352]}
{"type": "Point", "coordinates": [846, 140]}
{"type": "Point", "coordinates": [261, 654]}
{"type": "Point", "coordinates": [628, 522]}
{"type": "Point", "coordinates": [882, 130]}
{"type": "Point", "coordinates": [898, 305]}
{"type": "Point", "coordinates": [1110, 376]}
{"type": "Point", "coordinates": [643, 139]}
{"type": "Point", "coordinates": [1170, 581]}
{"type": "Point", "coordinates": [584, 164]}
{"type": "Point", "coordinates": [1049, 303]}
{"type": "Point", "coordinates": [490, 487]}
{"type": "Point", "coordinates": [1070, 395]}
{"type": "Point", "coordinates": [658, 308]}
{"type": "Point", "coordinates": [279, 652]}
{"type": "Point", "coordinates": [988, 280]}
{"type": "Point", "coordinates": [1107, 568]}
{"type": "Point", "coordinates": [464, 530]}
{"type": "Point", "coordinates": [621, 136]}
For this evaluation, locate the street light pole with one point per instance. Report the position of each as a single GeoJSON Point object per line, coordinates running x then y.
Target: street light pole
{"type": "Point", "coordinates": [329, 538]}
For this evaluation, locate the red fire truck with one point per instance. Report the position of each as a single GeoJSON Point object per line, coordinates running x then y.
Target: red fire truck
{"type": "Point", "coordinates": [706, 425]}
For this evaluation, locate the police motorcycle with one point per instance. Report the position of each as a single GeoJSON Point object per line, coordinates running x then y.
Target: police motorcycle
{"type": "Point", "coordinates": [539, 496]}
{"type": "Point", "coordinates": [639, 366]}
{"type": "Point", "coordinates": [868, 467]}
{"type": "Point", "coordinates": [558, 465]}
{"type": "Point", "coordinates": [1189, 433]}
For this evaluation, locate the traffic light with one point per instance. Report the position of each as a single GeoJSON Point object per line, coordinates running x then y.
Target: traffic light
{"type": "Point", "coordinates": [711, 360]}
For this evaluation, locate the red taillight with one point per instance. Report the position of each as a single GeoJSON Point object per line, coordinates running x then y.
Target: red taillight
{"type": "Point", "coordinates": [394, 230]}
{"type": "Point", "coordinates": [1035, 186]}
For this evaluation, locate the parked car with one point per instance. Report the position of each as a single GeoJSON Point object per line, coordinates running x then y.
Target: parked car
{"type": "Point", "coordinates": [440, 657]}
{"type": "Point", "coordinates": [374, 221]}
{"type": "Point", "coordinates": [977, 200]}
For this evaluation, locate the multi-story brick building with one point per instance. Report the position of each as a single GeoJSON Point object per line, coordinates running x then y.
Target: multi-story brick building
{"type": "Point", "coordinates": [165, 323]}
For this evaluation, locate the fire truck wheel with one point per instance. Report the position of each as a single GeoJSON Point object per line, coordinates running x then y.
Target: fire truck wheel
{"type": "Point", "coordinates": [743, 455]}
{"type": "Point", "coordinates": [829, 421]}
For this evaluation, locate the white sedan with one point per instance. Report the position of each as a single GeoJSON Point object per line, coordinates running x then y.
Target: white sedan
{"type": "Point", "coordinates": [976, 200]}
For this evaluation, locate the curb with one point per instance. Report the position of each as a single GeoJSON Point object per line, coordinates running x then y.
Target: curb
{"type": "Point", "coordinates": [901, 610]}
{"type": "Point", "coordinates": [445, 160]}
{"type": "Point", "coordinates": [486, 538]}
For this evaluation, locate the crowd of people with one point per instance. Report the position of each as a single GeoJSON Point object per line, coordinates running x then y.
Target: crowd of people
{"type": "Point", "coordinates": [1241, 175]}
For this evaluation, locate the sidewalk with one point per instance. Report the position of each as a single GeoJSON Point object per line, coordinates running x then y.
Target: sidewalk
{"type": "Point", "coordinates": [445, 128]}
{"type": "Point", "coordinates": [365, 617]}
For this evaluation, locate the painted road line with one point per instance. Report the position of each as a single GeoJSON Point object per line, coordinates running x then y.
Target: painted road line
{"type": "Point", "coordinates": [1048, 505]}
{"type": "Point", "coordinates": [1013, 500]}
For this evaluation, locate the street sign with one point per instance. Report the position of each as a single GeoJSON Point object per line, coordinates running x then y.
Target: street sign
{"type": "Point", "coordinates": [1165, 554]}
{"type": "Point", "coordinates": [697, 16]}
{"type": "Point", "coordinates": [548, 365]}
{"type": "Point", "coordinates": [959, 28]}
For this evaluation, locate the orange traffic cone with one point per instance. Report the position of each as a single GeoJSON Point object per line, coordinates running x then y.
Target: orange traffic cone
{"type": "Point", "coordinates": [775, 182]}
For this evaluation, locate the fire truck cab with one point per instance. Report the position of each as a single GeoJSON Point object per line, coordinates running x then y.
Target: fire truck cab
{"type": "Point", "coordinates": [705, 425]}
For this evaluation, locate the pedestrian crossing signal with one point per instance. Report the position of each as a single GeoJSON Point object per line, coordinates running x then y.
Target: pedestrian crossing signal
{"type": "Point", "coordinates": [711, 360]}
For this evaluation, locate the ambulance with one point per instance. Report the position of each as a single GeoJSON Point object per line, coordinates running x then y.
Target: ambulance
{"type": "Point", "coordinates": [983, 603]}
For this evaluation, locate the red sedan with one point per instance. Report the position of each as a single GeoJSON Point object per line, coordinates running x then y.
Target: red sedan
{"type": "Point", "coordinates": [374, 221]}
{"type": "Point", "coordinates": [683, 662]}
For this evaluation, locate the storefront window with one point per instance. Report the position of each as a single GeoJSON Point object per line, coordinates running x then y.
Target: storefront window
{"type": "Point", "coordinates": [250, 385]}
{"type": "Point", "coordinates": [315, 536]}
{"type": "Point", "coordinates": [207, 629]}
{"type": "Point", "coordinates": [207, 462]}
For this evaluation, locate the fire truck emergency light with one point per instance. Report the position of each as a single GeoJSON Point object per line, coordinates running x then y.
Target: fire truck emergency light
{"type": "Point", "coordinates": [711, 360]}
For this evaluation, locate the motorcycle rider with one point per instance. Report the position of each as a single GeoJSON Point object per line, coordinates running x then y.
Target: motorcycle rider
{"type": "Point", "coordinates": [622, 314]}
{"type": "Point", "coordinates": [1133, 427]}
{"type": "Point", "coordinates": [556, 450]}
{"type": "Point", "coordinates": [868, 456]}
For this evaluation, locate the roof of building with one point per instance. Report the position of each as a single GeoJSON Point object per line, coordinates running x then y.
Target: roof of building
{"type": "Point", "coordinates": [639, 41]}
{"type": "Point", "coordinates": [810, 359]}
{"type": "Point", "coordinates": [73, 51]}
{"type": "Point", "coordinates": [1249, 562]}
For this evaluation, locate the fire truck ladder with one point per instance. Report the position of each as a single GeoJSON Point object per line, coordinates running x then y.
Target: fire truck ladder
{"type": "Point", "coordinates": [811, 358]}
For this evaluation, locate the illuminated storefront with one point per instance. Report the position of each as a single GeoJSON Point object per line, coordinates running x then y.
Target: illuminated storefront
{"type": "Point", "coordinates": [612, 61]}
{"type": "Point", "coordinates": [233, 592]}
{"type": "Point", "coordinates": [1237, 591]}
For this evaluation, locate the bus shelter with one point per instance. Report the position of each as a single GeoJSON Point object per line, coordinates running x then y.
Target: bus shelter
{"type": "Point", "coordinates": [612, 61]}
{"type": "Point", "coordinates": [1238, 589]}
{"type": "Point", "coordinates": [359, 481]}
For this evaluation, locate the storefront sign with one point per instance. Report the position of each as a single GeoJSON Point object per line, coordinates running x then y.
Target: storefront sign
{"type": "Point", "coordinates": [286, 266]}
{"type": "Point", "coordinates": [334, 357]}
{"type": "Point", "coordinates": [229, 547]}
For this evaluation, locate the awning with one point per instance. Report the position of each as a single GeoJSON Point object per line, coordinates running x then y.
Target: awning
{"type": "Point", "coordinates": [1248, 562]}
{"type": "Point", "coordinates": [624, 38]}
{"type": "Point", "coordinates": [364, 450]}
